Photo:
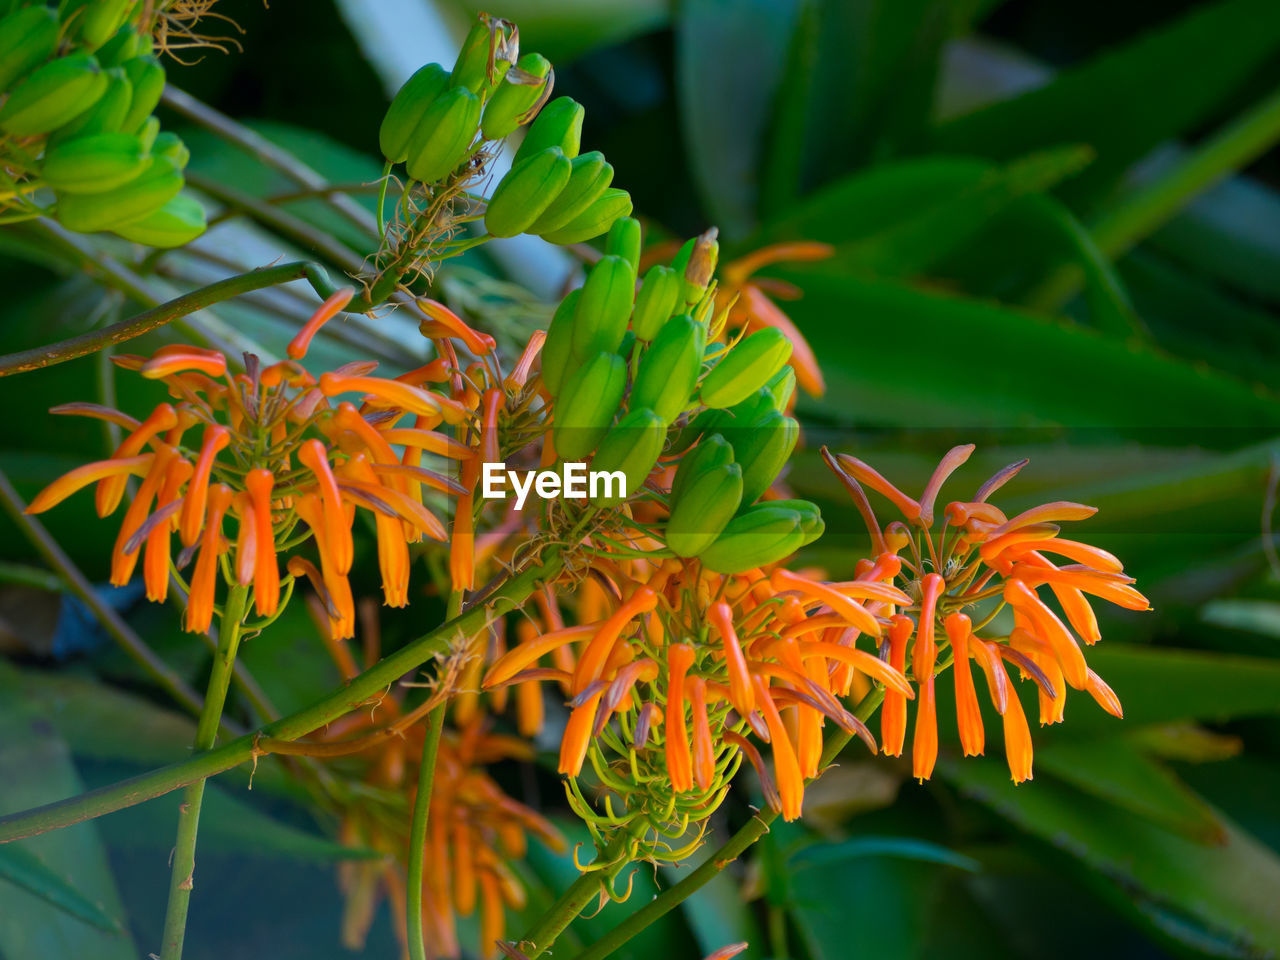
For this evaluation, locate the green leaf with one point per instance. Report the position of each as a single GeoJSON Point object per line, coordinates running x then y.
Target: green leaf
{"type": "Point", "coordinates": [1160, 685]}
{"type": "Point", "coordinates": [905, 848]}
{"type": "Point", "coordinates": [901, 356]}
{"type": "Point", "coordinates": [1200, 891]}
{"type": "Point", "coordinates": [885, 902]}
{"type": "Point", "coordinates": [729, 59]}
{"type": "Point", "coordinates": [718, 913]}
{"type": "Point", "coordinates": [36, 924]}
{"type": "Point", "coordinates": [1173, 297]}
{"type": "Point", "coordinates": [1130, 99]}
{"type": "Point", "coordinates": [1229, 234]}
{"type": "Point", "coordinates": [18, 865]}
{"type": "Point", "coordinates": [1237, 613]}
{"type": "Point", "coordinates": [228, 825]}
{"type": "Point", "coordinates": [913, 244]}
{"type": "Point", "coordinates": [859, 86]}
{"type": "Point", "coordinates": [1115, 769]}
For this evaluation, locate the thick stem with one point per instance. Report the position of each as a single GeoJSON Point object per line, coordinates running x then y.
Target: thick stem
{"type": "Point", "coordinates": [184, 855]}
{"type": "Point", "coordinates": [733, 848]}
{"type": "Point", "coordinates": [359, 691]}
{"type": "Point", "coordinates": [539, 939]}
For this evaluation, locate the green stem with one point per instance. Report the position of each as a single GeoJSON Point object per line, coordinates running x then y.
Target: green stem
{"type": "Point", "coordinates": [157, 316]}
{"type": "Point", "coordinates": [184, 855]}
{"type": "Point", "coordinates": [280, 222]}
{"type": "Point", "coordinates": [539, 939]}
{"type": "Point", "coordinates": [351, 696]}
{"type": "Point", "coordinates": [733, 848]}
{"type": "Point", "coordinates": [421, 811]}
{"type": "Point", "coordinates": [418, 833]}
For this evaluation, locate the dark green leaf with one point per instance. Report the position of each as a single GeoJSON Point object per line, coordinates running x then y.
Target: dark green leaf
{"type": "Point", "coordinates": [905, 848]}
{"type": "Point", "coordinates": [1216, 890]}
{"type": "Point", "coordinates": [922, 359]}
{"type": "Point", "coordinates": [18, 865]}
{"type": "Point", "coordinates": [729, 58]}
{"type": "Point", "coordinates": [1118, 771]}
{"type": "Point", "coordinates": [1129, 100]}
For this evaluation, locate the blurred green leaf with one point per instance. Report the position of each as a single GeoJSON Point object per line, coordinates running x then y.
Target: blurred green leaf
{"type": "Point", "coordinates": [18, 865]}
{"type": "Point", "coordinates": [905, 848]}
{"type": "Point", "coordinates": [718, 913]}
{"type": "Point", "coordinates": [1238, 613]}
{"type": "Point", "coordinates": [35, 767]}
{"type": "Point", "coordinates": [1230, 234]}
{"type": "Point", "coordinates": [859, 87]}
{"type": "Point", "coordinates": [729, 59]}
{"type": "Point", "coordinates": [1173, 298]}
{"type": "Point", "coordinates": [228, 825]}
{"type": "Point", "coordinates": [915, 243]}
{"type": "Point", "coordinates": [1118, 771]}
{"type": "Point", "coordinates": [1160, 685]}
{"type": "Point", "coordinates": [1199, 891]}
{"type": "Point", "coordinates": [1128, 100]}
{"type": "Point", "coordinates": [908, 357]}
{"type": "Point", "coordinates": [880, 903]}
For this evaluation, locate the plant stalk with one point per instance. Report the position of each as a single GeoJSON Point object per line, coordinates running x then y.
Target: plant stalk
{"type": "Point", "coordinates": [351, 696]}
{"type": "Point", "coordinates": [422, 810]}
{"type": "Point", "coordinates": [733, 848]}
{"type": "Point", "coordinates": [184, 855]}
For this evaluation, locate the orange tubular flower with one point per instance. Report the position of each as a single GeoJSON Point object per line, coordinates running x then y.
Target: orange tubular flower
{"type": "Point", "coordinates": [679, 763]}
{"type": "Point", "coordinates": [216, 438]}
{"type": "Point", "coordinates": [274, 450]}
{"type": "Point", "coordinates": [893, 712]}
{"type": "Point", "coordinates": [689, 664]}
{"type": "Point", "coordinates": [199, 615]}
{"type": "Point", "coordinates": [968, 717]}
{"type": "Point", "coordinates": [979, 562]}
{"type": "Point", "coordinates": [442, 323]}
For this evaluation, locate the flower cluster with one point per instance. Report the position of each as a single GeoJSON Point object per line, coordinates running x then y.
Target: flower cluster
{"type": "Point", "coordinates": [475, 830]}
{"type": "Point", "coordinates": [692, 664]}
{"type": "Point", "coordinates": [981, 561]}
{"type": "Point", "coordinates": [275, 446]}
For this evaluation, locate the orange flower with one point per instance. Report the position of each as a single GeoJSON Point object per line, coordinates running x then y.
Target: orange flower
{"type": "Point", "coordinates": [264, 452]}
{"type": "Point", "coordinates": [688, 664]}
{"type": "Point", "coordinates": [982, 561]}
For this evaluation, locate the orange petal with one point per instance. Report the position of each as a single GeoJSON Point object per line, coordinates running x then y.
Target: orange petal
{"type": "Point", "coordinates": [179, 358]}
{"type": "Point", "coordinates": [444, 323]}
{"type": "Point", "coordinates": [679, 762]}
{"type": "Point", "coordinates": [951, 462]}
{"type": "Point", "coordinates": [82, 476]}
{"type": "Point", "coordinates": [199, 614]}
{"type": "Point", "coordinates": [968, 716]}
{"type": "Point", "coordinates": [216, 437]}
{"type": "Point", "coordinates": [871, 478]}
{"type": "Point", "coordinates": [331, 307]}
{"type": "Point", "coordinates": [110, 491]}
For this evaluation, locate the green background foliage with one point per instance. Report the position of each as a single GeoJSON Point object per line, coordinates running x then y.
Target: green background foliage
{"type": "Point", "coordinates": [1057, 235]}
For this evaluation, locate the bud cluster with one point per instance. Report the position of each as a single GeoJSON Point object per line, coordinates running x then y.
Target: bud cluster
{"type": "Point", "coordinates": [81, 143]}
